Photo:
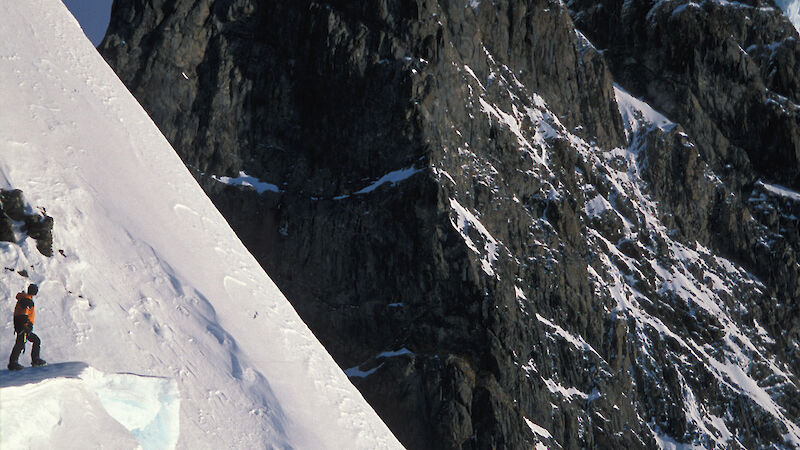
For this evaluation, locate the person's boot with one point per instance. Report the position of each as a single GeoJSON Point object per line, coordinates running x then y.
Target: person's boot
{"type": "Point", "coordinates": [38, 362]}
{"type": "Point", "coordinates": [13, 365]}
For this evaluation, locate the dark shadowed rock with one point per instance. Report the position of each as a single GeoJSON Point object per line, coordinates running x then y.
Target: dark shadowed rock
{"type": "Point", "coordinates": [462, 216]}
{"type": "Point", "coordinates": [37, 226]}
{"type": "Point", "coordinates": [13, 204]}
{"type": "Point", "coordinates": [7, 229]}
{"type": "Point", "coordinates": [725, 71]}
{"type": "Point", "coordinates": [41, 229]}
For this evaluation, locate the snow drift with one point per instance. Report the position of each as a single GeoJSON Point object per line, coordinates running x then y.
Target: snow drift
{"type": "Point", "coordinates": [71, 399]}
{"type": "Point", "coordinates": [174, 334]}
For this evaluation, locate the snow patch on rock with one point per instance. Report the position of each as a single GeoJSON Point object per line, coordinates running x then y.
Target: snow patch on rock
{"type": "Point", "coordinates": [464, 222]}
{"type": "Point", "coordinates": [248, 181]}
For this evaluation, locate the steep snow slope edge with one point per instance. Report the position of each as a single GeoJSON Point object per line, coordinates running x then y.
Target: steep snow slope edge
{"type": "Point", "coordinates": [152, 280]}
{"type": "Point", "coordinates": [792, 10]}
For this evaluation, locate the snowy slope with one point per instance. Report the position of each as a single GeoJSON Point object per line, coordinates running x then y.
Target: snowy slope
{"type": "Point", "coordinates": [792, 10]}
{"type": "Point", "coordinates": [168, 331]}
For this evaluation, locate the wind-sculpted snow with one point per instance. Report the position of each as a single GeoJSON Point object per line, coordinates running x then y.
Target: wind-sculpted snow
{"type": "Point", "coordinates": [67, 405]}
{"type": "Point", "coordinates": [190, 343]}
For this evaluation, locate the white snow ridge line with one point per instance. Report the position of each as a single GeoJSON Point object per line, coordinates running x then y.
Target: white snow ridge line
{"type": "Point", "coordinates": [780, 190]}
{"type": "Point", "coordinates": [576, 341]}
{"type": "Point", "coordinates": [246, 180]}
{"type": "Point", "coordinates": [637, 114]}
{"type": "Point", "coordinates": [466, 220]}
{"type": "Point", "coordinates": [391, 177]}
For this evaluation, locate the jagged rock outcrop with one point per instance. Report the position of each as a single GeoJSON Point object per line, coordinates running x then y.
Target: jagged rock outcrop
{"type": "Point", "coordinates": [39, 226]}
{"type": "Point", "coordinates": [501, 247]}
{"type": "Point", "coordinates": [6, 224]}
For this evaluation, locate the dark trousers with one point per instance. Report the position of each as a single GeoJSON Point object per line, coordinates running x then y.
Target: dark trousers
{"type": "Point", "coordinates": [20, 345]}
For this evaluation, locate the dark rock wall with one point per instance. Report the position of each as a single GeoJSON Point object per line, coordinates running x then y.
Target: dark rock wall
{"type": "Point", "coordinates": [537, 270]}
{"type": "Point", "coordinates": [724, 71]}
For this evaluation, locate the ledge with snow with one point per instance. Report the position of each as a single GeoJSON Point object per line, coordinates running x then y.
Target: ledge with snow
{"type": "Point", "coordinates": [160, 328]}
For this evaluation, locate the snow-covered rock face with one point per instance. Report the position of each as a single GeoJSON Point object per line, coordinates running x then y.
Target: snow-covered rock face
{"type": "Point", "coordinates": [160, 328]}
{"type": "Point", "coordinates": [502, 246]}
{"type": "Point", "coordinates": [680, 328]}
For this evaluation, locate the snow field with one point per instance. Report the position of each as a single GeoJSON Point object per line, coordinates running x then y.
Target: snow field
{"type": "Point", "coordinates": [71, 399]}
{"type": "Point", "coordinates": [154, 291]}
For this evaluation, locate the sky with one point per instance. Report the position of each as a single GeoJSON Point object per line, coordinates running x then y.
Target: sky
{"type": "Point", "coordinates": [93, 16]}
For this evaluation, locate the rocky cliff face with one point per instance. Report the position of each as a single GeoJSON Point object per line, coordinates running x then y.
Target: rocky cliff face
{"type": "Point", "coordinates": [502, 247]}
{"type": "Point", "coordinates": [19, 218]}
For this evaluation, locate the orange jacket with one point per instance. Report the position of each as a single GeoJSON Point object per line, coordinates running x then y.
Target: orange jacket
{"type": "Point", "coordinates": [24, 308]}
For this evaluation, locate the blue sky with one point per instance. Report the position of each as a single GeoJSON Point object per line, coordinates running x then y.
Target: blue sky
{"type": "Point", "coordinates": [93, 16]}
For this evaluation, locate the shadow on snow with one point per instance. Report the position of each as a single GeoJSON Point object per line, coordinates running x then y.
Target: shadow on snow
{"type": "Point", "coordinates": [32, 375]}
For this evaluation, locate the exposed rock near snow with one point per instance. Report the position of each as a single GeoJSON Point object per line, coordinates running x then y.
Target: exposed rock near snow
{"type": "Point", "coordinates": [19, 218]}
{"type": "Point", "coordinates": [572, 264]}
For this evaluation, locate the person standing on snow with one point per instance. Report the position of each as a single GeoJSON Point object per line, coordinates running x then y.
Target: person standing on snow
{"type": "Point", "coordinates": [23, 326]}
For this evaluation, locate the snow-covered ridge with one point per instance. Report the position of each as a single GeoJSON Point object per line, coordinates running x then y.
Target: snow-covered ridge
{"type": "Point", "coordinates": [146, 407]}
{"type": "Point", "coordinates": [152, 290]}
